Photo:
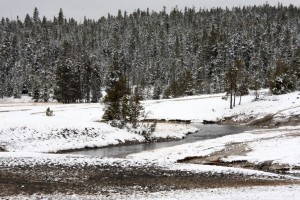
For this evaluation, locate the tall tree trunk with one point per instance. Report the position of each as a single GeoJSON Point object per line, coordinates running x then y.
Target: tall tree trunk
{"type": "Point", "coordinates": [256, 95]}
{"type": "Point", "coordinates": [88, 96]}
{"type": "Point", "coordinates": [231, 100]}
{"type": "Point", "coordinates": [240, 100]}
{"type": "Point", "coordinates": [234, 100]}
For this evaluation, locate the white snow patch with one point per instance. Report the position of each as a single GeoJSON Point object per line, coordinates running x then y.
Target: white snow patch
{"type": "Point", "coordinates": [169, 130]}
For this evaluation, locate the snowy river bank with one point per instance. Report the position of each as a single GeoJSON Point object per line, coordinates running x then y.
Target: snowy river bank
{"type": "Point", "coordinates": [243, 160]}
{"type": "Point", "coordinates": [204, 132]}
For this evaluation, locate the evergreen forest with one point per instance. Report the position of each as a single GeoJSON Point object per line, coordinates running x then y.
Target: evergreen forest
{"type": "Point", "coordinates": [160, 54]}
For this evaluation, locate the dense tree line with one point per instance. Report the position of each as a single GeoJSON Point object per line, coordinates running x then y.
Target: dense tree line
{"type": "Point", "coordinates": [163, 54]}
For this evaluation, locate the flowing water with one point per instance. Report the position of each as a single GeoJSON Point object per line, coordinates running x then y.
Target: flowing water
{"type": "Point", "coordinates": [205, 132]}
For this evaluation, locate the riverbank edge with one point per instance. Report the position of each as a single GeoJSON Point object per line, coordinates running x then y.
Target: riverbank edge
{"type": "Point", "coordinates": [264, 122]}
{"type": "Point", "coordinates": [127, 143]}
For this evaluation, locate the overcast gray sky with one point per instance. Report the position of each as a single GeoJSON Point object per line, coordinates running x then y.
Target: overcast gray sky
{"type": "Point", "coordinates": [97, 8]}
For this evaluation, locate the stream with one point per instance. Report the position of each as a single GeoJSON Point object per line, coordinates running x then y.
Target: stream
{"type": "Point", "coordinates": [205, 132]}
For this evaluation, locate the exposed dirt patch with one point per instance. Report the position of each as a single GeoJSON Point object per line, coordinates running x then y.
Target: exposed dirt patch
{"type": "Point", "coordinates": [265, 121]}
{"type": "Point", "coordinates": [238, 149]}
{"type": "Point", "coordinates": [98, 179]}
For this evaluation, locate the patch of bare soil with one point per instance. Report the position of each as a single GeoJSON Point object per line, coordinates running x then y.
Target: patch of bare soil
{"type": "Point", "coordinates": [232, 149]}
{"type": "Point", "coordinates": [48, 179]}
{"type": "Point", "coordinates": [265, 121]}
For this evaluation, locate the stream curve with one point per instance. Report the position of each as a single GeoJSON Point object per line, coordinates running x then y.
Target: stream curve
{"type": "Point", "coordinates": [205, 132]}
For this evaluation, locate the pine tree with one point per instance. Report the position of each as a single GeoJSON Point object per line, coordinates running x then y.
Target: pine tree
{"type": "Point", "coordinates": [36, 91]}
{"type": "Point", "coordinates": [125, 111]}
{"type": "Point", "coordinates": [231, 83]}
{"type": "Point", "coordinates": [87, 67]}
{"type": "Point", "coordinates": [136, 109]}
{"type": "Point", "coordinates": [113, 101]}
{"type": "Point", "coordinates": [242, 79]}
{"type": "Point", "coordinates": [122, 108]}
{"type": "Point", "coordinates": [35, 17]}
{"type": "Point", "coordinates": [295, 67]}
{"type": "Point", "coordinates": [66, 79]}
{"type": "Point", "coordinates": [157, 91]}
{"type": "Point", "coordinates": [282, 79]}
{"type": "Point", "coordinates": [61, 17]}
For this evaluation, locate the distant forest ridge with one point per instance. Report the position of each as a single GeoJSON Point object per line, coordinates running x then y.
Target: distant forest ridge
{"type": "Point", "coordinates": [160, 54]}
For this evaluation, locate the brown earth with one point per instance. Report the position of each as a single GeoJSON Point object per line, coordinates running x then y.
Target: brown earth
{"type": "Point", "coordinates": [49, 179]}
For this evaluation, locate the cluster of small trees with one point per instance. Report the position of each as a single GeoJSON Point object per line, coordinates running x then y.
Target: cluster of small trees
{"type": "Point", "coordinates": [123, 107]}
{"type": "Point", "coordinates": [282, 79]}
{"type": "Point", "coordinates": [236, 83]}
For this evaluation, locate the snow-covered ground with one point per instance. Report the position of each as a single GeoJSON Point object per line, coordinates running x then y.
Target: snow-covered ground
{"type": "Point", "coordinates": [25, 127]}
{"type": "Point", "coordinates": [283, 149]}
{"type": "Point", "coordinates": [25, 131]}
{"type": "Point", "coordinates": [213, 107]}
{"type": "Point", "coordinates": [195, 108]}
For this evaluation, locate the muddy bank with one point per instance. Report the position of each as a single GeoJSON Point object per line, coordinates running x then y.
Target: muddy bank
{"type": "Point", "coordinates": [266, 121]}
{"type": "Point", "coordinates": [267, 166]}
{"type": "Point", "coordinates": [48, 179]}
{"type": "Point", "coordinates": [239, 149]}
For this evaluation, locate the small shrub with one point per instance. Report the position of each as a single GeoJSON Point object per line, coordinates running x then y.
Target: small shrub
{"type": "Point", "coordinates": [49, 112]}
